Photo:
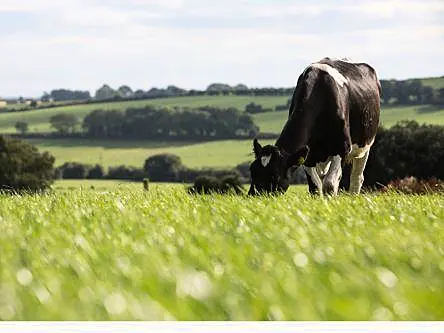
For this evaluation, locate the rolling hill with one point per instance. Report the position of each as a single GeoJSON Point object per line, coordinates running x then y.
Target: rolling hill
{"type": "Point", "coordinates": [225, 153]}
{"type": "Point", "coordinates": [38, 120]}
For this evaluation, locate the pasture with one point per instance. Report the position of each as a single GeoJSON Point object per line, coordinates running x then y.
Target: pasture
{"type": "Point", "coordinates": [38, 120]}
{"type": "Point", "coordinates": [218, 154]}
{"type": "Point", "coordinates": [274, 121]}
{"type": "Point", "coordinates": [226, 153]}
{"type": "Point", "coordinates": [126, 254]}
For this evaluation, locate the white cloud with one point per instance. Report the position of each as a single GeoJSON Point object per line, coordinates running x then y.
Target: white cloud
{"type": "Point", "coordinates": [84, 43]}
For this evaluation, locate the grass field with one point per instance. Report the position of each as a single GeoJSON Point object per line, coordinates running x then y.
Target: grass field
{"type": "Point", "coordinates": [38, 120]}
{"type": "Point", "coordinates": [107, 185]}
{"type": "Point", "coordinates": [128, 254]}
{"type": "Point", "coordinates": [211, 154]}
{"type": "Point", "coordinates": [274, 121]}
{"type": "Point", "coordinates": [434, 82]}
{"type": "Point", "coordinates": [226, 153]}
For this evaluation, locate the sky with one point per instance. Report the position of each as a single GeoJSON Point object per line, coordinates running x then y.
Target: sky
{"type": "Point", "coordinates": [83, 44]}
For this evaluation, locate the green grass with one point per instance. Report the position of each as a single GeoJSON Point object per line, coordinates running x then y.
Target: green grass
{"type": "Point", "coordinates": [129, 254]}
{"type": "Point", "coordinates": [274, 121]}
{"type": "Point", "coordinates": [434, 82]}
{"type": "Point", "coordinates": [38, 120]}
{"type": "Point", "coordinates": [227, 153]}
{"type": "Point", "coordinates": [106, 185]}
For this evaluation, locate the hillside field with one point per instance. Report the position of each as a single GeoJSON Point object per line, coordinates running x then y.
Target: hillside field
{"type": "Point", "coordinates": [127, 254]}
{"type": "Point", "coordinates": [225, 153]}
{"type": "Point", "coordinates": [434, 82]}
{"type": "Point", "coordinates": [38, 120]}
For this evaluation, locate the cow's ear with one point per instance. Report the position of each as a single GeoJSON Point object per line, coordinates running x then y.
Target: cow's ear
{"type": "Point", "coordinates": [257, 148]}
{"type": "Point", "coordinates": [298, 158]}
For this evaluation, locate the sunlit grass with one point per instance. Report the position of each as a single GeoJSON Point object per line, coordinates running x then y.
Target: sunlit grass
{"type": "Point", "coordinates": [222, 154]}
{"type": "Point", "coordinates": [130, 254]}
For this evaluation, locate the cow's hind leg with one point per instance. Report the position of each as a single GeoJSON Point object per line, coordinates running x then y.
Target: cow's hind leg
{"type": "Point", "coordinates": [357, 173]}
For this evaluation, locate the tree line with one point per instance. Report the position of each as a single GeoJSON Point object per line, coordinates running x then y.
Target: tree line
{"type": "Point", "coordinates": [150, 122]}
{"type": "Point", "coordinates": [394, 92]}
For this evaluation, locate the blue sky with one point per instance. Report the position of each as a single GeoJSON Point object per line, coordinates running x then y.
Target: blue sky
{"type": "Point", "coordinates": [82, 44]}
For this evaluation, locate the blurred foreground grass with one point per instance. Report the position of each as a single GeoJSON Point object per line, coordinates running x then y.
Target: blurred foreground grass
{"type": "Point", "coordinates": [126, 254]}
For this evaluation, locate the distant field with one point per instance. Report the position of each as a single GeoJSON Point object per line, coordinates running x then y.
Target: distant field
{"type": "Point", "coordinates": [227, 153]}
{"type": "Point", "coordinates": [38, 120]}
{"type": "Point", "coordinates": [434, 82]}
{"type": "Point", "coordinates": [274, 121]}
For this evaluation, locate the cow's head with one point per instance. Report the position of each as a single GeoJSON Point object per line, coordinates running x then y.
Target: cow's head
{"type": "Point", "coordinates": [271, 170]}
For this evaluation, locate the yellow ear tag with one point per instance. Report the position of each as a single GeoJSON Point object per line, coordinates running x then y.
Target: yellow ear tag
{"type": "Point", "coordinates": [301, 160]}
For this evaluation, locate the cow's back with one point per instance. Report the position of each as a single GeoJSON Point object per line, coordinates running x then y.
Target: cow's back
{"type": "Point", "coordinates": [363, 93]}
{"type": "Point", "coordinates": [335, 104]}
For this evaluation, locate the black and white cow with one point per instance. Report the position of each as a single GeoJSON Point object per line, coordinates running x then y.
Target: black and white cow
{"type": "Point", "coordinates": [333, 119]}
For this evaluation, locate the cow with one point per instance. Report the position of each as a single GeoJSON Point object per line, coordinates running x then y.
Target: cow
{"type": "Point", "coordinates": [333, 120]}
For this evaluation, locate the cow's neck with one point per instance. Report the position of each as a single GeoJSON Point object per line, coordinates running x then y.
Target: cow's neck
{"type": "Point", "coordinates": [296, 132]}
{"type": "Point", "coordinates": [304, 109]}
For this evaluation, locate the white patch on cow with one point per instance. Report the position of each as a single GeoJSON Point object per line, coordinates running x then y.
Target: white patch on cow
{"type": "Point", "coordinates": [265, 160]}
{"type": "Point", "coordinates": [359, 152]}
{"type": "Point", "coordinates": [333, 72]}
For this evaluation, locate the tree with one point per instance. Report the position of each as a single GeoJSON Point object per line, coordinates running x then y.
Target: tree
{"type": "Point", "coordinates": [125, 172]}
{"type": "Point", "coordinates": [139, 93]}
{"type": "Point", "coordinates": [175, 91]}
{"type": "Point", "coordinates": [247, 126]}
{"type": "Point", "coordinates": [45, 98]}
{"type": "Point", "coordinates": [125, 91]}
{"type": "Point", "coordinates": [439, 98]}
{"type": "Point", "coordinates": [105, 92]}
{"type": "Point", "coordinates": [163, 167]}
{"type": "Point", "coordinates": [219, 87]}
{"type": "Point", "coordinates": [23, 167]}
{"type": "Point", "coordinates": [240, 87]}
{"type": "Point", "coordinates": [74, 170]}
{"type": "Point", "coordinates": [68, 95]}
{"type": "Point", "coordinates": [96, 172]}
{"type": "Point", "coordinates": [254, 108]}
{"type": "Point", "coordinates": [406, 149]}
{"type": "Point", "coordinates": [22, 127]}
{"type": "Point", "coordinates": [64, 123]}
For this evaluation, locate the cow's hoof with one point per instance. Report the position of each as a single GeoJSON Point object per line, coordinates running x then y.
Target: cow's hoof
{"type": "Point", "coordinates": [329, 189]}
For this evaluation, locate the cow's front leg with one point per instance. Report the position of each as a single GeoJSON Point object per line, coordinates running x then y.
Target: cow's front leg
{"type": "Point", "coordinates": [357, 173]}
